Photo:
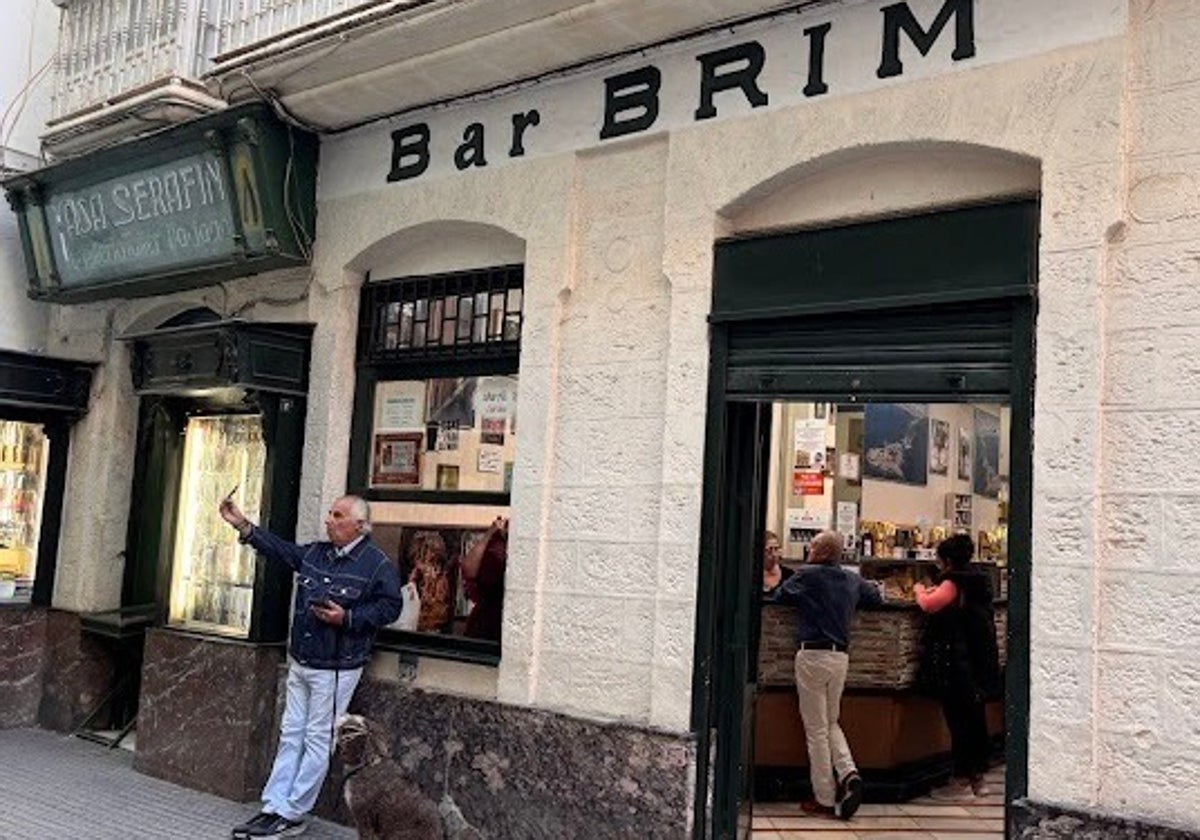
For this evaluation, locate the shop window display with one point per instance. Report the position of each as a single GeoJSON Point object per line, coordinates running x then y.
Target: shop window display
{"type": "Point", "coordinates": [24, 453]}
{"type": "Point", "coordinates": [436, 430]}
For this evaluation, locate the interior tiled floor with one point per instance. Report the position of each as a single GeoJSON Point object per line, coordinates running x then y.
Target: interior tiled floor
{"type": "Point", "coordinates": [922, 819]}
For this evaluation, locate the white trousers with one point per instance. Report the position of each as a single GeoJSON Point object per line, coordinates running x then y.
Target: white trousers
{"type": "Point", "coordinates": [305, 743]}
{"type": "Point", "coordinates": [820, 680]}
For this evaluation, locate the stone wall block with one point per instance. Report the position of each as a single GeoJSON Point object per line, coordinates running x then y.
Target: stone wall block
{"type": "Point", "coordinates": [1129, 687]}
{"type": "Point", "coordinates": [612, 567]}
{"type": "Point", "coordinates": [1162, 201]}
{"type": "Point", "coordinates": [1174, 437]}
{"type": "Point", "coordinates": [1179, 706]}
{"type": "Point", "coordinates": [1067, 448]}
{"type": "Point", "coordinates": [23, 652]}
{"type": "Point", "coordinates": [1079, 205]}
{"type": "Point", "coordinates": [1130, 368]}
{"type": "Point", "coordinates": [1131, 526]}
{"type": "Point", "coordinates": [1164, 42]}
{"type": "Point", "coordinates": [1163, 120]}
{"type": "Point", "coordinates": [1064, 532]}
{"type": "Point", "coordinates": [1068, 365]}
{"type": "Point", "coordinates": [1060, 762]}
{"type": "Point", "coordinates": [1149, 611]}
{"type": "Point", "coordinates": [1060, 686]}
{"type": "Point", "coordinates": [1181, 514]}
{"type": "Point", "coordinates": [1062, 609]}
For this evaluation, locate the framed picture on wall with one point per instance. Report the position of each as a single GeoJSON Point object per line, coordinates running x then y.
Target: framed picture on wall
{"type": "Point", "coordinates": [896, 446]}
{"type": "Point", "coordinates": [964, 455]}
{"type": "Point", "coordinates": [986, 462]}
{"type": "Point", "coordinates": [939, 447]}
{"type": "Point", "coordinates": [396, 459]}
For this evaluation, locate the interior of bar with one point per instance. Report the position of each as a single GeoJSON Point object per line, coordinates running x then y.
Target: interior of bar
{"type": "Point", "coordinates": [894, 481]}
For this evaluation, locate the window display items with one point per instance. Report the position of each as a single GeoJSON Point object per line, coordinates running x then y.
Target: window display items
{"type": "Point", "coordinates": [24, 451]}
{"type": "Point", "coordinates": [896, 442]}
{"type": "Point", "coordinates": [987, 474]}
{"type": "Point", "coordinates": [397, 459]}
{"type": "Point", "coordinates": [212, 581]}
{"type": "Point", "coordinates": [447, 477]}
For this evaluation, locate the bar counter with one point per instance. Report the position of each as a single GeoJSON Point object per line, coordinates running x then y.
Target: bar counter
{"type": "Point", "coordinates": [897, 735]}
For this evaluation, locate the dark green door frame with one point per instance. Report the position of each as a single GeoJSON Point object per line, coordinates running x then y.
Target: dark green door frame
{"type": "Point", "coordinates": [724, 622]}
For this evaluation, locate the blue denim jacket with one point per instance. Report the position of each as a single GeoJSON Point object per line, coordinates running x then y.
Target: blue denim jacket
{"type": "Point", "coordinates": [364, 582]}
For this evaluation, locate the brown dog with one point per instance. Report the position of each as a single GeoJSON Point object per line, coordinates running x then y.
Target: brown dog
{"type": "Point", "coordinates": [384, 802]}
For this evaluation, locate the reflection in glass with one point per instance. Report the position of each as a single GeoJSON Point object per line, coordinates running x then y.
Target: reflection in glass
{"type": "Point", "coordinates": [212, 580]}
{"type": "Point", "coordinates": [24, 451]}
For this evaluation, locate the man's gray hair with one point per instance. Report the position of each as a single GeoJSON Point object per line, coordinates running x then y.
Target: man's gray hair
{"type": "Point", "coordinates": [361, 511]}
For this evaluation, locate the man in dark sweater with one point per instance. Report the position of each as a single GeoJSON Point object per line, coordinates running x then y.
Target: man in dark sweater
{"type": "Point", "coordinates": [346, 589]}
{"type": "Point", "coordinates": [827, 596]}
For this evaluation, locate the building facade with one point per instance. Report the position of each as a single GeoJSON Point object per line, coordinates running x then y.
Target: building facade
{"type": "Point", "coordinates": [591, 217]}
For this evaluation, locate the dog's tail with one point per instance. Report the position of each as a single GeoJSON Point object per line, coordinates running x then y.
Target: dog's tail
{"type": "Point", "coordinates": [454, 823]}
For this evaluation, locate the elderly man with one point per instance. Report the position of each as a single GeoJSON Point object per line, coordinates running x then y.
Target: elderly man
{"type": "Point", "coordinates": [346, 589]}
{"type": "Point", "coordinates": [827, 596]}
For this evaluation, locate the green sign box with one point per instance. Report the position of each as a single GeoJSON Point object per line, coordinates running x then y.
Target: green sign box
{"type": "Point", "coordinates": [227, 195]}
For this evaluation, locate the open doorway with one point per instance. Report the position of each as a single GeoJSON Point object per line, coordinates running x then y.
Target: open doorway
{"type": "Point", "coordinates": [900, 352]}
{"type": "Point", "coordinates": [894, 481]}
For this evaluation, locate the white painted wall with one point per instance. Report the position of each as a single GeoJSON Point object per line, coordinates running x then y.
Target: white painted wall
{"type": "Point", "coordinates": [27, 42]}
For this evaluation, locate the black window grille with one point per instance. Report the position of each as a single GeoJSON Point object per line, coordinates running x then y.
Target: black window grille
{"type": "Point", "coordinates": [467, 314]}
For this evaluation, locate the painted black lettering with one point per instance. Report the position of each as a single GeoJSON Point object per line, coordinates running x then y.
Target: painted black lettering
{"type": "Point", "coordinates": [410, 152]}
{"type": "Point", "coordinates": [713, 81]}
{"type": "Point", "coordinates": [635, 91]}
{"type": "Point", "coordinates": [520, 122]}
{"type": "Point", "coordinates": [816, 59]}
{"type": "Point", "coordinates": [898, 17]}
{"type": "Point", "coordinates": [470, 151]}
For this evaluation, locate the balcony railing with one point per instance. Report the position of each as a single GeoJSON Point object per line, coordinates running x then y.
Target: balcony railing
{"type": "Point", "coordinates": [108, 48]}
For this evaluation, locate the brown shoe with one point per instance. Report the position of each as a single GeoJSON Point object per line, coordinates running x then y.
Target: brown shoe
{"type": "Point", "coordinates": [815, 809]}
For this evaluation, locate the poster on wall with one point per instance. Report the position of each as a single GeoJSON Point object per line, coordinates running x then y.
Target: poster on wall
{"type": "Point", "coordinates": [986, 463]}
{"type": "Point", "coordinates": [492, 403]}
{"type": "Point", "coordinates": [396, 459]}
{"type": "Point", "coordinates": [848, 466]}
{"type": "Point", "coordinates": [808, 483]}
{"type": "Point", "coordinates": [400, 406]}
{"type": "Point", "coordinates": [939, 447]}
{"type": "Point", "coordinates": [809, 437]}
{"type": "Point", "coordinates": [896, 442]}
{"type": "Point", "coordinates": [964, 455]}
{"type": "Point", "coordinates": [451, 402]}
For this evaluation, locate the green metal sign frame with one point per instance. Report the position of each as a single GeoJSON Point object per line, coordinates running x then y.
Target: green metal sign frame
{"type": "Point", "coordinates": [227, 195]}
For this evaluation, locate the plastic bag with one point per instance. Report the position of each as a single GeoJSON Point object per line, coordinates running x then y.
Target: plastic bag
{"type": "Point", "coordinates": [410, 611]}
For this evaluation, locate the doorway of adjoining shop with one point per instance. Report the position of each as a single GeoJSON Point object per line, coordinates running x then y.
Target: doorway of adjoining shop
{"type": "Point", "coordinates": [890, 326]}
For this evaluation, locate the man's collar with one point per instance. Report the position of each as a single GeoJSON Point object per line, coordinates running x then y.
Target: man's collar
{"type": "Point", "coordinates": [345, 550]}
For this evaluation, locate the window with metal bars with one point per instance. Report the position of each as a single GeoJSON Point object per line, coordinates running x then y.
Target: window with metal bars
{"type": "Point", "coordinates": [464, 315]}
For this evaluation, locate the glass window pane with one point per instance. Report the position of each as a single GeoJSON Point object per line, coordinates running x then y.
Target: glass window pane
{"type": "Point", "coordinates": [212, 574]}
{"type": "Point", "coordinates": [24, 452]}
{"type": "Point", "coordinates": [465, 311]}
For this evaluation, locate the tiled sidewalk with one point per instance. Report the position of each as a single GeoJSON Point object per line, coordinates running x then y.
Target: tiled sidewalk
{"type": "Point", "coordinates": [56, 786]}
{"type": "Point", "coordinates": [921, 819]}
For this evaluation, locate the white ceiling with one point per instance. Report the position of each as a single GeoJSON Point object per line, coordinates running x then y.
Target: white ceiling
{"type": "Point", "coordinates": [448, 48]}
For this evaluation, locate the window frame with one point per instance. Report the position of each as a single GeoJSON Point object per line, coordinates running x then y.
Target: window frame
{"type": "Point", "coordinates": [375, 364]}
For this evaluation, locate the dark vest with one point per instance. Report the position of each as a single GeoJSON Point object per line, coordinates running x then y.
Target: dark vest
{"type": "Point", "coordinates": [960, 650]}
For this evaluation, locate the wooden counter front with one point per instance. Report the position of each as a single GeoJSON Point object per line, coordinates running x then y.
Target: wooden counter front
{"type": "Point", "coordinates": [895, 733]}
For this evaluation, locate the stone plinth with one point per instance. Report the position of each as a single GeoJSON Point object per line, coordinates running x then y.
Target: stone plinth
{"type": "Point", "coordinates": [521, 773]}
{"type": "Point", "coordinates": [23, 652]}
{"type": "Point", "coordinates": [1038, 821]}
{"type": "Point", "coordinates": [79, 673]}
{"type": "Point", "coordinates": [206, 716]}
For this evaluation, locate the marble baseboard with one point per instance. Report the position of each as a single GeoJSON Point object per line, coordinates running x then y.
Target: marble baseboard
{"type": "Point", "coordinates": [23, 652]}
{"type": "Point", "coordinates": [206, 714]}
{"type": "Point", "coordinates": [524, 774]}
{"type": "Point", "coordinates": [80, 671]}
{"type": "Point", "coordinates": [1037, 821]}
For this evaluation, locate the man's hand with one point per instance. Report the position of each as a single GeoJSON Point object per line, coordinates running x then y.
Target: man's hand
{"type": "Point", "coordinates": [330, 613]}
{"type": "Point", "coordinates": [232, 514]}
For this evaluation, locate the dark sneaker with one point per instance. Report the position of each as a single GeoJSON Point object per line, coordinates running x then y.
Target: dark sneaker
{"type": "Point", "coordinates": [850, 797]}
{"type": "Point", "coordinates": [279, 827]}
{"type": "Point", "coordinates": [257, 821]}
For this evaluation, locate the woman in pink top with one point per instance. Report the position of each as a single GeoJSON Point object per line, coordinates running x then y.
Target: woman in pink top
{"type": "Point", "coordinates": [961, 660]}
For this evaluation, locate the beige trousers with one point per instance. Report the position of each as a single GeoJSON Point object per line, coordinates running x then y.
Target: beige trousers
{"type": "Point", "coordinates": [820, 679]}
